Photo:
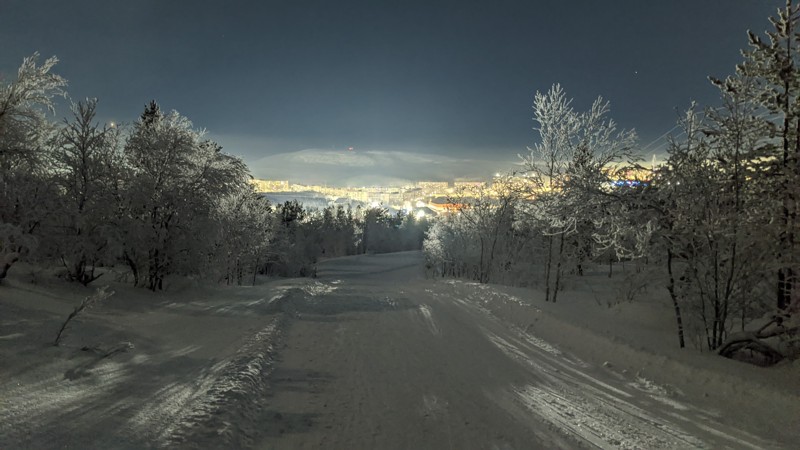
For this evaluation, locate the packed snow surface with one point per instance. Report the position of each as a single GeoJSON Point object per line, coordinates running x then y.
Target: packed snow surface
{"type": "Point", "coordinates": [371, 355]}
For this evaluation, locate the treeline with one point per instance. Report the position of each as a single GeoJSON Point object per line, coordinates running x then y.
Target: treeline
{"type": "Point", "coordinates": [155, 198]}
{"type": "Point", "coordinates": [301, 237]}
{"type": "Point", "coordinates": [716, 224]}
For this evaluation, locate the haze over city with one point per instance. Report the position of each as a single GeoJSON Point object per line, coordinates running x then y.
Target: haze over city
{"type": "Point", "coordinates": [419, 90]}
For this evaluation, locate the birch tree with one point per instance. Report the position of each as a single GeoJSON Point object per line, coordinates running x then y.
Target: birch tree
{"type": "Point", "coordinates": [576, 154]}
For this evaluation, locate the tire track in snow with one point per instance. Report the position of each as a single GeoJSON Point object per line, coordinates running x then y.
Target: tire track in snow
{"type": "Point", "coordinates": [427, 316]}
{"type": "Point", "coordinates": [604, 419]}
{"type": "Point", "coordinates": [223, 406]}
{"type": "Point", "coordinates": [220, 408]}
{"type": "Point", "coordinates": [599, 425]}
{"type": "Point", "coordinates": [604, 416]}
{"type": "Point", "coordinates": [41, 407]}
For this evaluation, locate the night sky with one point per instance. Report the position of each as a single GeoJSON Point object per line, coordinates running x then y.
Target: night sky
{"type": "Point", "coordinates": [421, 90]}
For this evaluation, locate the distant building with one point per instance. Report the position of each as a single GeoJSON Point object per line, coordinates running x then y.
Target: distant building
{"type": "Point", "coordinates": [443, 205]}
{"type": "Point", "coordinates": [392, 197]}
{"type": "Point", "coordinates": [270, 185]}
{"type": "Point", "coordinates": [469, 184]}
{"type": "Point", "coordinates": [439, 186]}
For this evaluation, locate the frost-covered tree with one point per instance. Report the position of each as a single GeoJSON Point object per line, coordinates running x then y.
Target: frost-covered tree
{"type": "Point", "coordinates": [412, 232]}
{"type": "Point", "coordinates": [23, 105]}
{"type": "Point", "coordinates": [770, 78]}
{"type": "Point", "coordinates": [86, 158]}
{"type": "Point", "coordinates": [292, 250]}
{"type": "Point", "coordinates": [243, 233]}
{"type": "Point", "coordinates": [382, 232]}
{"type": "Point", "coordinates": [702, 219]}
{"type": "Point", "coordinates": [576, 155]}
{"type": "Point", "coordinates": [24, 132]}
{"type": "Point", "coordinates": [717, 263]}
{"type": "Point", "coordinates": [489, 211]}
{"type": "Point", "coordinates": [451, 247]}
{"type": "Point", "coordinates": [176, 178]}
{"type": "Point", "coordinates": [373, 236]}
{"type": "Point", "coordinates": [337, 231]}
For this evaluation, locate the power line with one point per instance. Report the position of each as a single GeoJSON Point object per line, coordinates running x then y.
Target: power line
{"type": "Point", "coordinates": [664, 136]}
{"type": "Point", "coordinates": [660, 137]}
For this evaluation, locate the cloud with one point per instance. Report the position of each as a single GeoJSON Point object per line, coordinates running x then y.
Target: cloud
{"type": "Point", "coordinates": [372, 167]}
{"type": "Point", "coordinates": [332, 158]}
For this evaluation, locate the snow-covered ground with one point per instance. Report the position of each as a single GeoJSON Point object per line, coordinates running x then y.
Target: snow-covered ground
{"type": "Point", "coordinates": [371, 354]}
{"type": "Point", "coordinates": [188, 363]}
{"type": "Point", "coordinates": [637, 341]}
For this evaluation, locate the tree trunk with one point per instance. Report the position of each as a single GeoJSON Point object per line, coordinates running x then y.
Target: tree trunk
{"type": "Point", "coordinates": [8, 260]}
{"type": "Point", "coordinates": [671, 289]}
{"type": "Point", "coordinates": [785, 273]}
{"type": "Point", "coordinates": [480, 266]}
{"type": "Point", "coordinates": [152, 271]}
{"type": "Point", "coordinates": [547, 265]}
{"type": "Point", "coordinates": [133, 266]}
{"type": "Point", "coordinates": [558, 268]}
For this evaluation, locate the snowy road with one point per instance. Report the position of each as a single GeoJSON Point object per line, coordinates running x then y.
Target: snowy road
{"type": "Point", "coordinates": [370, 355]}
{"type": "Point", "coordinates": [381, 358]}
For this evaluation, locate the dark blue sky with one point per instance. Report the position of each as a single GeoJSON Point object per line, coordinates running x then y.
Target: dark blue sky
{"type": "Point", "coordinates": [451, 78]}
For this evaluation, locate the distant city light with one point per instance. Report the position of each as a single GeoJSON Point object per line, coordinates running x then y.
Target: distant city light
{"type": "Point", "coordinates": [630, 183]}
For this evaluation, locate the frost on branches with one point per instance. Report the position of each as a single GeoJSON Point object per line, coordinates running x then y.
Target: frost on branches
{"type": "Point", "coordinates": [578, 153]}
{"type": "Point", "coordinates": [24, 130]}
